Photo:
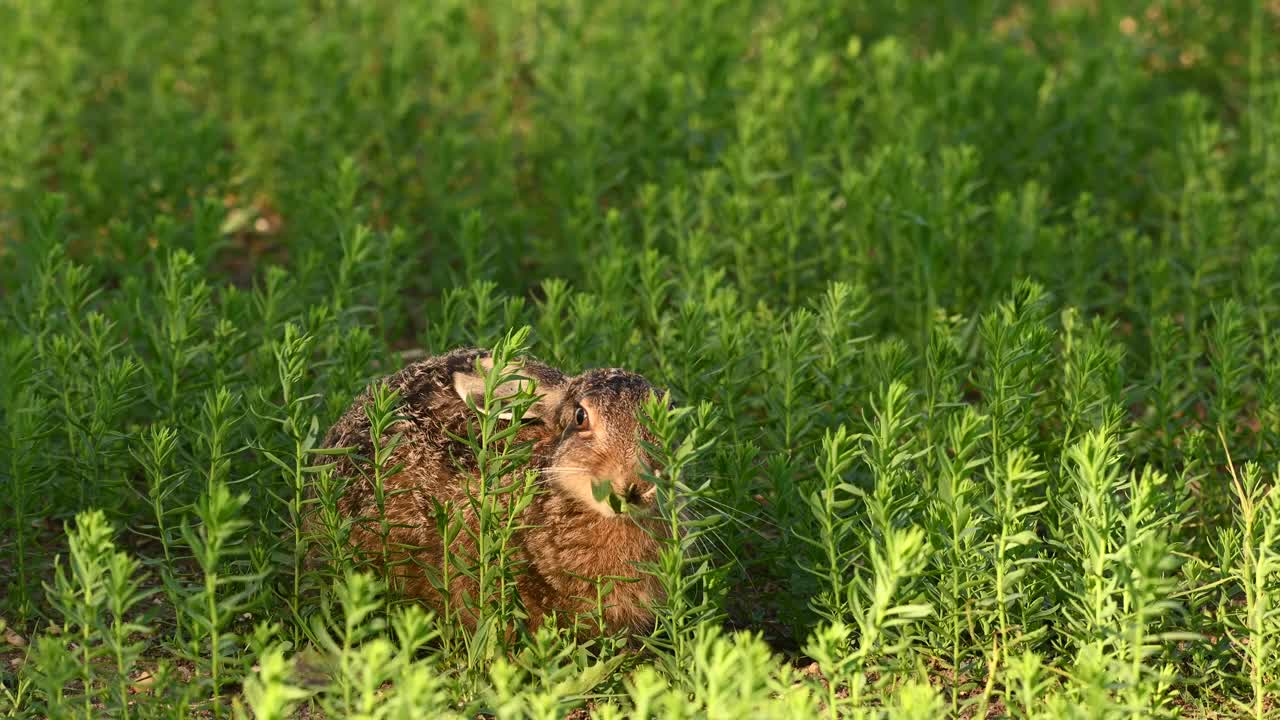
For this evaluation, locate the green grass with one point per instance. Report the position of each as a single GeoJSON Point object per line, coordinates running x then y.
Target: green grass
{"type": "Point", "coordinates": [970, 309]}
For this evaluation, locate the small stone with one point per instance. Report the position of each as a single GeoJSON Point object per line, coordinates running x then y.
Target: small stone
{"type": "Point", "coordinates": [14, 638]}
{"type": "Point", "coordinates": [143, 680]}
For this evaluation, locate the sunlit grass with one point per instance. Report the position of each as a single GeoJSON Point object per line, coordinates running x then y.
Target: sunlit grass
{"type": "Point", "coordinates": [968, 311]}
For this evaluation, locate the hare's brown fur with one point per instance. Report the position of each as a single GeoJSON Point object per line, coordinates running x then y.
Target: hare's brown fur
{"type": "Point", "coordinates": [568, 537]}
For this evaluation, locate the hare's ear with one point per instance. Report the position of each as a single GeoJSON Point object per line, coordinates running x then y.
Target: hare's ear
{"type": "Point", "coordinates": [470, 384]}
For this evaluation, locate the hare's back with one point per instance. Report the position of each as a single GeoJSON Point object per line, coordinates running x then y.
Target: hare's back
{"type": "Point", "coordinates": [425, 389]}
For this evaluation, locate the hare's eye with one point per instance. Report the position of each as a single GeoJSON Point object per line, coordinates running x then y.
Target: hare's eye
{"type": "Point", "coordinates": [580, 417]}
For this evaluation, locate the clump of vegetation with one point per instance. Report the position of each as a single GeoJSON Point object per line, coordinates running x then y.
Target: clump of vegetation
{"type": "Point", "coordinates": [968, 312]}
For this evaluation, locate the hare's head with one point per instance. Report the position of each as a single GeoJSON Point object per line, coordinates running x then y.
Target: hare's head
{"type": "Point", "coordinates": [594, 436]}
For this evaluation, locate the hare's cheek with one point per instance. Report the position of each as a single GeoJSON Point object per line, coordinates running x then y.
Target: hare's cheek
{"type": "Point", "coordinates": [586, 492]}
{"type": "Point", "coordinates": [582, 487]}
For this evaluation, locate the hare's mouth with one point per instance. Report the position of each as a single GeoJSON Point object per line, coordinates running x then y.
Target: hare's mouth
{"type": "Point", "coordinates": [640, 495]}
{"type": "Point", "coordinates": [643, 489]}
{"type": "Point", "coordinates": [628, 500]}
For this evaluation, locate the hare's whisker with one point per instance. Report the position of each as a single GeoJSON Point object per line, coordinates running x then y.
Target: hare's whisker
{"type": "Point", "coordinates": [561, 472]}
{"type": "Point", "coordinates": [709, 537]}
{"type": "Point", "coordinates": [737, 515]}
